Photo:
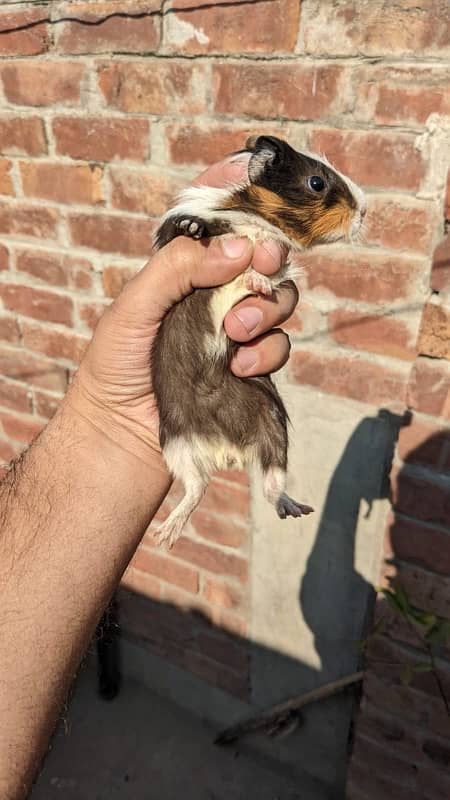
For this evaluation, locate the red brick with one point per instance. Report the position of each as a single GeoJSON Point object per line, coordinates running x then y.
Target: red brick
{"type": "Point", "coordinates": [426, 590]}
{"type": "Point", "coordinates": [211, 559]}
{"type": "Point", "coordinates": [6, 184]}
{"type": "Point", "coordinates": [28, 41]}
{"type": "Point", "coordinates": [388, 658]}
{"type": "Point", "coordinates": [402, 95]}
{"type": "Point", "coordinates": [8, 452]}
{"type": "Point", "coordinates": [141, 583]}
{"type": "Point", "coordinates": [4, 257]}
{"type": "Point", "coordinates": [121, 34]}
{"type": "Point", "coordinates": [14, 396]}
{"type": "Point", "coordinates": [42, 83]}
{"type": "Point", "coordinates": [225, 651]}
{"type": "Point", "coordinates": [420, 498]}
{"type": "Point", "coordinates": [429, 387]}
{"type": "Point", "coordinates": [218, 528]}
{"type": "Point", "coordinates": [9, 329]}
{"type": "Point", "coordinates": [62, 183]}
{"type": "Point", "coordinates": [28, 220]}
{"type": "Point", "coordinates": [45, 404]}
{"type": "Point", "coordinates": [30, 368]}
{"type": "Point", "coordinates": [423, 443]}
{"type": "Point", "coordinates": [20, 428]}
{"type": "Point", "coordinates": [440, 271]}
{"type": "Point", "coordinates": [256, 89]}
{"type": "Point", "coordinates": [90, 312]}
{"type": "Point", "coordinates": [434, 336]}
{"type": "Point", "coordinates": [57, 269]}
{"type": "Point", "coordinates": [54, 342]}
{"type": "Point", "coordinates": [221, 594]}
{"type": "Point", "coordinates": [191, 144]}
{"type": "Point", "coordinates": [145, 192]}
{"type": "Point", "coordinates": [376, 333]}
{"type": "Point", "coordinates": [399, 225]}
{"type": "Point", "coordinates": [348, 377]}
{"type": "Point", "coordinates": [425, 546]}
{"type": "Point", "coordinates": [166, 568]}
{"type": "Point", "coordinates": [216, 675]}
{"type": "Point", "coordinates": [370, 278]}
{"type": "Point", "coordinates": [376, 29]}
{"type": "Point", "coordinates": [98, 139]}
{"type": "Point", "coordinates": [373, 158]}
{"type": "Point", "coordinates": [112, 234]}
{"type": "Point", "coordinates": [154, 86]}
{"type": "Point", "coordinates": [22, 136]}
{"type": "Point", "coordinates": [227, 497]}
{"type": "Point", "coordinates": [37, 303]}
{"type": "Point", "coordinates": [230, 622]}
{"type": "Point", "coordinates": [114, 279]}
{"type": "Point", "coordinates": [447, 198]}
{"type": "Point", "coordinates": [385, 762]}
{"type": "Point", "coordinates": [221, 28]}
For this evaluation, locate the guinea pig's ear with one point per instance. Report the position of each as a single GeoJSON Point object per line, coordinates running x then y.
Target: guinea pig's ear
{"type": "Point", "coordinates": [267, 152]}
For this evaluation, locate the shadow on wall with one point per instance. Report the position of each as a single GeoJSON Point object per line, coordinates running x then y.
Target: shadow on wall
{"type": "Point", "coordinates": [315, 753]}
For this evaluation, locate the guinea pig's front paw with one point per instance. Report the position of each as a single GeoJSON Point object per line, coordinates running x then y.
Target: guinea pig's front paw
{"type": "Point", "coordinates": [191, 226]}
{"type": "Point", "coordinates": [257, 283]}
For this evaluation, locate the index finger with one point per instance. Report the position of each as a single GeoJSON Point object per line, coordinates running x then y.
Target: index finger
{"type": "Point", "coordinates": [231, 170]}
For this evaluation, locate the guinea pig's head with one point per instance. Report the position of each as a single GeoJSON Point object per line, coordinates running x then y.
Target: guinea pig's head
{"type": "Point", "coordinates": [302, 194]}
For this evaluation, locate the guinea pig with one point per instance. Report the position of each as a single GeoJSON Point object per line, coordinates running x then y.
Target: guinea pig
{"type": "Point", "coordinates": [209, 418]}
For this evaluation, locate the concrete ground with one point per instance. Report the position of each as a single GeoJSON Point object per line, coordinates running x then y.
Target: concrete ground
{"type": "Point", "coordinates": [141, 747]}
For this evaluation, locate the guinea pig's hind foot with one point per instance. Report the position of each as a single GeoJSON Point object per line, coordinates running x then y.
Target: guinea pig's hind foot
{"type": "Point", "coordinates": [287, 507]}
{"type": "Point", "coordinates": [257, 283]}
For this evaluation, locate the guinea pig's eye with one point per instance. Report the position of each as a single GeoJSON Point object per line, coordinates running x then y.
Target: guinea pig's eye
{"type": "Point", "coordinates": [316, 183]}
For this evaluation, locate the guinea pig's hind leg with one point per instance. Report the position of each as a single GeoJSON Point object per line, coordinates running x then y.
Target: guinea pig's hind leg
{"type": "Point", "coordinates": [274, 485]}
{"type": "Point", "coordinates": [179, 458]}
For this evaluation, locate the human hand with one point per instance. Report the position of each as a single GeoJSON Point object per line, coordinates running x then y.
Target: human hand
{"type": "Point", "coordinates": [113, 385]}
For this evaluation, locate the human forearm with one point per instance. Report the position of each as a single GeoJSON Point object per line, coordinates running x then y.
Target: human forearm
{"type": "Point", "coordinates": [72, 513]}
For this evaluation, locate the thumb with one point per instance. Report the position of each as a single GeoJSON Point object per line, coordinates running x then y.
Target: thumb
{"type": "Point", "coordinates": [181, 266]}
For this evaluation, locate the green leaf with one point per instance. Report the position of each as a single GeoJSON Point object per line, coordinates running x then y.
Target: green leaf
{"type": "Point", "coordinates": [439, 633]}
{"type": "Point", "coordinates": [423, 666]}
{"type": "Point", "coordinates": [379, 628]}
{"type": "Point", "coordinates": [402, 598]}
{"type": "Point", "coordinates": [423, 619]}
{"type": "Point", "coordinates": [392, 599]}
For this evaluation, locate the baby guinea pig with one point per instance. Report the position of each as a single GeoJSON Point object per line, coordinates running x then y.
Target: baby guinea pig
{"type": "Point", "coordinates": [209, 418]}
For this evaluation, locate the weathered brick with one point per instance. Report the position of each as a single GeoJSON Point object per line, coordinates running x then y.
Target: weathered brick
{"type": "Point", "coordinates": [28, 41]}
{"type": "Point", "coordinates": [218, 528]}
{"type": "Point", "coordinates": [440, 270]}
{"type": "Point", "coordinates": [224, 650]}
{"type": "Point", "coordinates": [370, 278]}
{"type": "Point", "coordinates": [376, 28]}
{"type": "Point", "coordinates": [402, 95]}
{"type": "Point", "coordinates": [21, 428]}
{"type": "Point", "coordinates": [42, 83]}
{"type": "Point", "coordinates": [53, 342]}
{"type": "Point", "coordinates": [28, 220]}
{"type": "Point", "coordinates": [98, 139]}
{"type": "Point", "coordinates": [22, 136]}
{"type": "Point", "coordinates": [112, 234]}
{"type": "Point", "coordinates": [256, 89]}
{"type": "Point", "coordinates": [216, 674]}
{"type": "Point", "coordinates": [33, 369]}
{"type": "Point", "coordinates": [141, 583]}
{"type": "Point", "coordinates": [434, 336]}
{"type": "Point", "coordinates": [114, 279]}
{"type": "Point", "coordinates": [348, 377]}
{"type": "Point", "coordinates": [15, 396]}
{"type": "Point", "coordinates": [230, 621]}
{"type": "Point", "coordinates": [429, 387]}
{"type": "Point", "coordinates": [6, 184]}
{"type": "Point", "coordinates": [147, 192]}
{"type": "Point", "coordinates": [423, 443]}
{"type": "Point", "coordinates": [227, 497]}
{"type": "Point", "coordinates": [46, 405]}
{"type": "Point", "coordinates": [426, 590]}
{"type": "Point", "coordinates": [447, 198]}
{"type": "Point", "coordinates": [211, 559]}
{"type": "Point", "coordinates": [91, 311]}
{"type": "Point", "coordinates": [123, 34]}
{"type": "Point", "coordinates": [37, 303]}
{"type": "Point", "coordinates": [154, 86]}
{"type": "Point", "coordinates": [166, 568]}
{"type": "Point", "coordinates": [221, 594]}
{"type": "Point", "coordinates": [9, 329]}
{"type": "Point", "coordinates": [4, 257]}
{"type": "Point", "coordinates": [221, 28]}
{"type": "Point", "coordinates": [399, 225]}
{"type": "Point", "coordinates": [376, 333]}
{"type": "Point", "coordinates": [373, 158]}
{"type": "Point", "coordinates": [8, 452]}
{"type": "Point", "coordinates": [62, 183]}
{"type": "Point", "coordinates": [425, 546]}
{"type": "Point", "coordinates": [191, 144]}
{"type": "Point", "coordinates": [420, 498]}
{"type": "Point", "coordinates": [57, 269]}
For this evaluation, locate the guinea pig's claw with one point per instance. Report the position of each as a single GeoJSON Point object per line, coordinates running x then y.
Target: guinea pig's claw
{"type": "Point", "coordinates": [257, 283]}
{"type": "Point", "coordinates": [287, 507]}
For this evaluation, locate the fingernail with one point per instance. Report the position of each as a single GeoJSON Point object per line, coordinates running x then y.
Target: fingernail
{"type": "Point", "coordinates": [246, 358]}
{"type": "Point", "coordinates": [234, 248]}
{"type": "Point", "coordinates": [273, 249]}
{"type": "Point", "coordinates": [250, 318]}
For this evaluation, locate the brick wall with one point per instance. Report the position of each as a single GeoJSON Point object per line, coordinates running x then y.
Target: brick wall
{"type": "Point", "coordinates": [99, 126]}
